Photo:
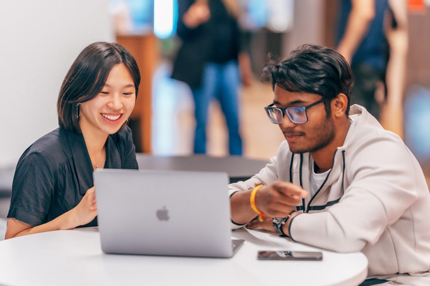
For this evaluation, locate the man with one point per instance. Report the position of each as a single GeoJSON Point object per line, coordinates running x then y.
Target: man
{"type": "Point", "coordinates": [339, 181]}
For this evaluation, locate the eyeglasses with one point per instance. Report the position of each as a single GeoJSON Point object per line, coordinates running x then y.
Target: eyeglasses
{"type": "Point", "coordinates": [297, 114]}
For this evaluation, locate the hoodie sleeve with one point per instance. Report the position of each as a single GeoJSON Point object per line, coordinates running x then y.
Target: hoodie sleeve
{"type": "Point", "coordinates": [267, 175]}
{"type": "Point", "coordinates": [382, 180]}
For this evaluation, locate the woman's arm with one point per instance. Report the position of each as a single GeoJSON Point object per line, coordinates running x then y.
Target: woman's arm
{"type": "Point", "coordinates": [82, 214]}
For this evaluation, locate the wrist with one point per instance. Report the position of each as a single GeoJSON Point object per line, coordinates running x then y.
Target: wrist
{"type": "Point", "coordinates": [253, 203]}
{"type": "Point", "coordinates": [278, 224]}
{"type": "Point", "coordinates": [281, 224]}
{"type": "Point", "coordinates": [240, 209]}
{"type": "Point", "coordinates": [286, 226]}
{"type": "Point", "coordinates": [70, 219]}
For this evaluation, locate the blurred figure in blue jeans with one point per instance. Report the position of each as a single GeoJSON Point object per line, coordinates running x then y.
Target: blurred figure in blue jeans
{"type": "Point", "coordinates": [208, 62]}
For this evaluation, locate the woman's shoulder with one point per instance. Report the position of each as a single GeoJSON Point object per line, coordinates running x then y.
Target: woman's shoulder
{"type": "Point", "coordinates": [49, 142]}
{"type": "Point", "coordinates": [51, 147]}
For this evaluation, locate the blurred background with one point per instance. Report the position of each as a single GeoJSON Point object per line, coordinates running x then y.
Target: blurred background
{"type": "Point", "coordinates": [40, 40]}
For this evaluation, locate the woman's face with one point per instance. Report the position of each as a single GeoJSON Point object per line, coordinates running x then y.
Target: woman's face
{"type": "Point", "coordinates": [108, 111]}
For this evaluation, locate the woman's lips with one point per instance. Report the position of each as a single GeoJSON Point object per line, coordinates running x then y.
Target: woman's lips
{"type": "Point", "coordinates": [111, 117]}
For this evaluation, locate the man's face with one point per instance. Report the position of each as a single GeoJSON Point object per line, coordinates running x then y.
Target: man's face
{"type": "Point", "coordinates": [316, 133]}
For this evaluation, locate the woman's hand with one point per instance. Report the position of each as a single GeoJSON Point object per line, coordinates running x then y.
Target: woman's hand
{"type": "Point", "coordinates": [86, 210]}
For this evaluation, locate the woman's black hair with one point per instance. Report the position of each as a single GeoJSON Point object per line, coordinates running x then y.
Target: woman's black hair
{"type": "Point", "coordinates": [312, 69]}
{"type": "Point", "coordinates": [87, 76]}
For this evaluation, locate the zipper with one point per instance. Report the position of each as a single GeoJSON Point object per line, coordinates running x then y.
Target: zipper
{"type": "Point", "coordinates": [322, 185]}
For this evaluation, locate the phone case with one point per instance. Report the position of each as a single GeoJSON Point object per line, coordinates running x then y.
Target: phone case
{"type": "Point", "coordinates": [290, 255]}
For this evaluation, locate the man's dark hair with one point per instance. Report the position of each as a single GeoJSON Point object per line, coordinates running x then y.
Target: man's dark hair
{"type": "Point", "coordinates": [87, 77]}
{"type": "Point", "coordinates": [312, 69]}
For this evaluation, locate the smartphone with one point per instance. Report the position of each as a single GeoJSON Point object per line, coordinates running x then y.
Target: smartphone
{"type": "Point", "coordinates": [289, 255]}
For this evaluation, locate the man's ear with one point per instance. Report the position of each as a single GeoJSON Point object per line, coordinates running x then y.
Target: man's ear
{"type": "Point", "coordinates": [339, 105]}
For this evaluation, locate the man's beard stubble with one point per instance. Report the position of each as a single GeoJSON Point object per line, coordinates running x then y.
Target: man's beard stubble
{"type": "Point", "coordinates": [325, 133]}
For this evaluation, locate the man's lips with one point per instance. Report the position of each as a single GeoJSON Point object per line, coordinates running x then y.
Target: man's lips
{"type": "Point", "coordinates": [291, 137]}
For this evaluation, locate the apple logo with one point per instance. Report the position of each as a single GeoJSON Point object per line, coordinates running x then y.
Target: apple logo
{"type": "Point", "coordinates": [162, 214]}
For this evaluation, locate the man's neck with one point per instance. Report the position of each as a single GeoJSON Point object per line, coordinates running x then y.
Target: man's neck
{"type": "Point", "coordinates": [323, 158]}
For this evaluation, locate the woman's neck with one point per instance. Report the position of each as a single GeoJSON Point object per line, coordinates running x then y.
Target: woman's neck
{"type": "Point", "coordinates": [95, 143]}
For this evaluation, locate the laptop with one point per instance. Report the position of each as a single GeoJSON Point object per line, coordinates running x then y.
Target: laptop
{"type": "Point", "coordinates": [175, 213]}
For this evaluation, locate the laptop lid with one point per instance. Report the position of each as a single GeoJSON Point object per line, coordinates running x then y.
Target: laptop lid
{"type": "Point", "coordinates": [163, 212]}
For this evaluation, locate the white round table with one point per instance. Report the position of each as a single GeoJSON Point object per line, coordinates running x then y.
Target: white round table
{"type": "Point", "coordinates": [74, 257]}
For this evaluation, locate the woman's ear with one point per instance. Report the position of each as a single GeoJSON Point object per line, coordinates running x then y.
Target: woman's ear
{"type": "Point", "coordinates": [340, 104]}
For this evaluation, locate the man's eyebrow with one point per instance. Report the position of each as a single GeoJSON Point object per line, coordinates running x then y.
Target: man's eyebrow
{"type": "Point", "coordinates": [290, 103]}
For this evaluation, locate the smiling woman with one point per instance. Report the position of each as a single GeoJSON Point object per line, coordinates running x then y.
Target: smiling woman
{"type": "Point", "coordinates": [53, 185]}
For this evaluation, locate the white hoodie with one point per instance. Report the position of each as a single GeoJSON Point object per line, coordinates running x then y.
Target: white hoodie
{"type": "Point", "coordinates": [374, 200]}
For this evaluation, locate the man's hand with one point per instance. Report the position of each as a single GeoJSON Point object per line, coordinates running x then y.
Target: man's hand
{"type": "Point", "coordinates": [278, 199]}
{"type": "Point", "coordinates": [266, 224]}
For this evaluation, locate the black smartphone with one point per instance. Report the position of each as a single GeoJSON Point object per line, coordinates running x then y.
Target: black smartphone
{"type": "Point", "coordinates": [289, 255]}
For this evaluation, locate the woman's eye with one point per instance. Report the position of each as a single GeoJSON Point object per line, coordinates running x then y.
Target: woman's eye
{"type": "Point", "coordinates": [127, 93]}
{"type": "Point", "coordinates": [104, 92]}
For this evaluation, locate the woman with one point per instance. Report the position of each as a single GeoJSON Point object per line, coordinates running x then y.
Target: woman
{"type": "Point", "coordinates": [53, 185]}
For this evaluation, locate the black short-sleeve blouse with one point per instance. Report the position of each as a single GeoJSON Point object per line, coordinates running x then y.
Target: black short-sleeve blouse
{"type": "Point", "coordinates": [54, 173]}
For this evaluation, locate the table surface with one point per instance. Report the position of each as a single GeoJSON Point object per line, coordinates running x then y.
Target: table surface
{"type": "Point", "coordinates": [74, 257]}
{"type": "Point", "coordinates": [237, 167]}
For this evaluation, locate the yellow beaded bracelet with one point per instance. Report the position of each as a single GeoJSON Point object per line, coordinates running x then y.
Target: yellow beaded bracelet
{"type": "Point", "coordinates": [252, 202]}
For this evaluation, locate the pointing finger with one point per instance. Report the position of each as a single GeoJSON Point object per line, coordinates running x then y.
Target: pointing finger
{"type": "Point", "coordinates": [291, 190]}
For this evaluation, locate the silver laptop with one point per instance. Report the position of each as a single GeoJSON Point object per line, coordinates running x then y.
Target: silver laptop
{"type": "Point", "coordinates": [177, 213]}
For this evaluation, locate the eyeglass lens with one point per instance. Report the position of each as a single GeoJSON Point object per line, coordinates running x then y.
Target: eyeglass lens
{"type": "Point", "coordinates": [295, 114]}
{"type": "Point", "coordinates": [275, 115]}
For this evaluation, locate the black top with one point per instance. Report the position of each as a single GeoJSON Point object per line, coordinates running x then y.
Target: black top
{"type": "Point", "coordinates": [54, 173]}
{"type": "Point", "coordinates": [218, 40]}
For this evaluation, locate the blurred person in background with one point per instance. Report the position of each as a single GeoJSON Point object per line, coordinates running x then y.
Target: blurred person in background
{"type": "Point", "coordinates": [397, 37]}
{"type": "Point", "coordinates": [212, 60]}
{"type": "Point", "coordinates": [361, 40]}
{"type": "Point", "coordinates": [53, 185]}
